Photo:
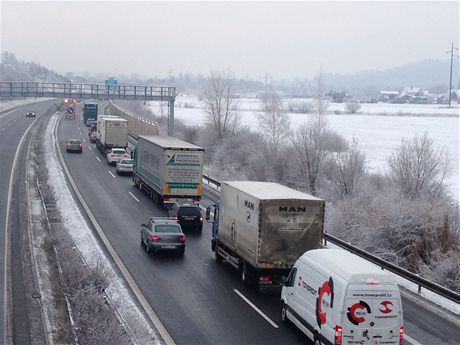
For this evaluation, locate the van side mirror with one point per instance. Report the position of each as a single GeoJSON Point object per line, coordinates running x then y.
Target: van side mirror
{"type": "Point", "coordinates": [208, 213]}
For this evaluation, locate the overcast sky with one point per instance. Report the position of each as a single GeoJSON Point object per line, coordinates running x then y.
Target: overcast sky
{"type": "Point", "coordinates": [286, 40]}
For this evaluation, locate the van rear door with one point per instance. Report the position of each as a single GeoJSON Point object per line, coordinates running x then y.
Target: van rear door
{"type": "Point", "coordinates": [372, 314]}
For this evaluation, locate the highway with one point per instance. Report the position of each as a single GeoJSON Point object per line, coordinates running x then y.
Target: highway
{"type": "Point", "coordinates": [198, 300]}
{"type": "Point", "coordinates": [13, 144]}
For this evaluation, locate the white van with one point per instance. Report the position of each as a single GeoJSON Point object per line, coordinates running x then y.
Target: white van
{"type": "Point", "coordinates": [336, 297]}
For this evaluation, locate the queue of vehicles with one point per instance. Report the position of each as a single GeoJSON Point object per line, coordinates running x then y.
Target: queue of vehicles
{"type": "Point", "coordinates": [270, 233]}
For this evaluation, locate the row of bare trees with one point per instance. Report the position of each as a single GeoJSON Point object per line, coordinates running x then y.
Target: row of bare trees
{"type": "Point", "coordinates": [404, 215]}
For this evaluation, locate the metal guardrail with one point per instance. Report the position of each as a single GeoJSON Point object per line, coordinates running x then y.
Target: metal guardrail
{"type": "Point", "coordinates": [414, 278]}
{"type": "Point", "coordinates": [87, 91]}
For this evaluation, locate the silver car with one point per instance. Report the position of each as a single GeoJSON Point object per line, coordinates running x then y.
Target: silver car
{"type": "Point", "coordinates": [125, 166]}
{"type": "Point", "coordinates": [163, 234]}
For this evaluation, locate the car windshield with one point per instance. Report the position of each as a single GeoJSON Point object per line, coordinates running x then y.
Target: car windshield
{"type": "Point", "coordinates": [118, 152]}
{"type": "Point", "coordinates": [74, 141]}
{"type": "Point", "coordinates": [189, 211]}
{"type": "Point", "coordinates": [167, 228]}
{"type": "Point", "coordinates": [127, 161]}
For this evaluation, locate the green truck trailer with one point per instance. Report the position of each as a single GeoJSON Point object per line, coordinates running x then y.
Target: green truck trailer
{"type": "Point", "coordinates": [90, 113]}
{"type": "Point", "coordinates": [168, 168]}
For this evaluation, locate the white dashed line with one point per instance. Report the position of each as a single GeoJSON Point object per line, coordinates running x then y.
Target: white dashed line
{"type": "Point", "coordinates": [134, 196]}
{"type": "Point", "coordinates": [111, 173]}
{"type": "Point", "coordinates": [84, 140]}
{"type": "Point", "coordinates": [98, 158]}
{"type": "Point", "coordinates": [89, 148]}
{"type": "Point", "coordinates": [256, 309]}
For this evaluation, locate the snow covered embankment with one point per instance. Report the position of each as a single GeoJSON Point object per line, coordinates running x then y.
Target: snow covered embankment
{"type": "Point", "coordinates": [88, 245]}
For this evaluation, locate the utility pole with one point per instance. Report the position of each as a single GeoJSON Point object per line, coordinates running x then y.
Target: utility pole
{"type": "Point", "coordinates": [451, 63]}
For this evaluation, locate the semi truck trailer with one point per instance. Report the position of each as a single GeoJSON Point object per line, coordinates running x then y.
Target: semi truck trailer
{"type": "Point", "coordinates": [262, 228]}
{"type": "Point", "coordinates": [168, 168]}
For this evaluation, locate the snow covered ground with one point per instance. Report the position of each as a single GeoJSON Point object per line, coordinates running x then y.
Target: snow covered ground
{"type": "Point", "coordinates": [9, 104]}
{"type": "Point", "coordinates": [378, 136]}
{"type": "Point", "coordinates": [89, 245]}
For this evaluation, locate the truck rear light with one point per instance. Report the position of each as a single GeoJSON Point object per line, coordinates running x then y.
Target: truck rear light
{"type": "Point", "coordinates": [181, 238]}
{"type": "Point", "coordinates": [338, 335]}
{"type": "Point", "coordinates": [402, 330]}
{"type": "Point", "coordinates": [265, 279]}
{"type": "Point", "coordinates": [154, 238]}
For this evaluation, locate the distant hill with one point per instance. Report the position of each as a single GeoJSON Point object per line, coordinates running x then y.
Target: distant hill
{"type": "Point", "coordinates": [14, 69]}
{"type": "Point", "coordinates": [431, 75]}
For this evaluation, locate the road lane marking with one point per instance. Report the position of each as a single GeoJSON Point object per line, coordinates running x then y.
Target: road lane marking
{"type": "Point", "coordinates": [256, 309]}
{"type": "Point", "coordinates": [111, 173]}
{"type": "Point", "coordinates": [411, 340]}
{"type": "Point", "coordinates": [84, 140]}
{"type": "Point", "coordinates": [124, 271]}
{"type": "Point", "coordinates": [7, 288]}
{"type": "Point", "coordinates": [98, 158]}
{"type": "Point", "coordinates": [134, 196]}
{"type": "Point", "coordinates": [89, 148]}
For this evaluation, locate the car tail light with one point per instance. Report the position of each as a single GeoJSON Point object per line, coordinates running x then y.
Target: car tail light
{"type": "Point", "coordinates": [402, 330]}
{"type": "Point", "coordinates": [201, 218]}
{"type": "Point", "coordinates": [181, 238]}
{"type": "Point", "coordinates": [81, 145]}
{"type": "Point", "coordinates": [154, 238]}
{"type": "Point", "coordinates": [265, 278]}
{"type": "Point", "coordinates": [338, 335]}
{"type": "Point", "coordinates": [68, 145]}
{"type": "Point", "coordinates": [176, 216]}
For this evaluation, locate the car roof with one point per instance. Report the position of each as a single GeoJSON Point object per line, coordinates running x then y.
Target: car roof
{"type": "Point", "coordinates": [164, 220]}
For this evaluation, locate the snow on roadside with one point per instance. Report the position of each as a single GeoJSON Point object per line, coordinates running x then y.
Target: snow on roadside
{"type": "Point", "coordinates": [87, 243]}
{"type": "Point", "coordinates": [412, 287]}
{"type": "Point", "coordinates": [6, 105]}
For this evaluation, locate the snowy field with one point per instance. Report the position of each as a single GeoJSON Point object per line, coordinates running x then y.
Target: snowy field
{"type": "Point", "coordinates": [379, 128]}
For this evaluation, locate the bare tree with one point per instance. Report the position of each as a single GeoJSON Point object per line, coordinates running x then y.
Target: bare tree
{"type": "Point", "coordinates": [220, 104]}
{"type": "Point", "coordinates": [310, 139]}
{"type": "Point", "coordinates": [417, 167]}
{"type": "Point", "coordinates": [274, 125]}
{"type": "Point", "coordinates": [348, 169]}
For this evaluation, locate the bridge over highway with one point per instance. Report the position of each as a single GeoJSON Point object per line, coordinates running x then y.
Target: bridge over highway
{"type": "Point", "coordinates": [93, 91]}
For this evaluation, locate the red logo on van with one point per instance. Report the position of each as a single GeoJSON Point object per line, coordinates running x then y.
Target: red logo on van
{"type": "Point", "coordinates": [386, 305]}
{"type": "Point", "coordinates": [356, 312]}
{"type": "Point", "coordinates": [326, 289]}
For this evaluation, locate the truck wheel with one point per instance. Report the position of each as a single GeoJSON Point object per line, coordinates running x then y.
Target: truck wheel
{"type": "Point", "coordinates": [284, 317]}
{"type": "Point", "coordinates": [217, 255]}
{"type": "Point", "coordinates": [246, 275]}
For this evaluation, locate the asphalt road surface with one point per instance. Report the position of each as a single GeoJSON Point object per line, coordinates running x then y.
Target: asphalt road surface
{"type": "Point", "coordinates": [197, 299]}
{"type": "Point", "coordinates": [13, 126]}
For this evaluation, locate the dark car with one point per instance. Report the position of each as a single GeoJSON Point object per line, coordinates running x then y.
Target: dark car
{"type": "Point", "coordinates": [188, 215]}
{"type": "Point", "coordinates": [163, 234]}
{"type": "Point", "coordinates": [74, 145]}
{"type": "Point", "coordinates": [30, 114]}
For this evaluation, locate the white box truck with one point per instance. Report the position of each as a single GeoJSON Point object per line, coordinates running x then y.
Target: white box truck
{"type": "Point", "coordinates": [336, 297]}
{"type": "Point", "coordinates": [168, 168]}
{"type": "Point", "coordinates": [112, 133]}
{"type": "Point", "coordinates": [262, 228]}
